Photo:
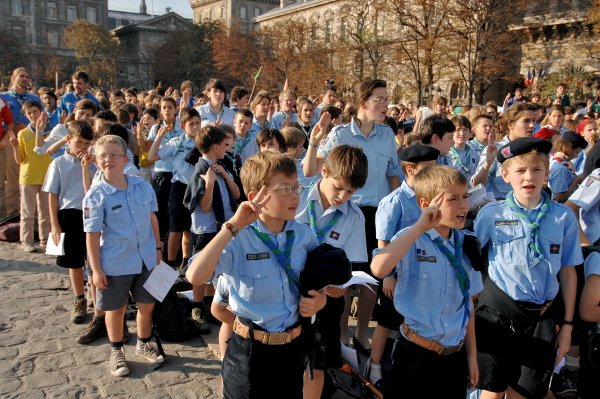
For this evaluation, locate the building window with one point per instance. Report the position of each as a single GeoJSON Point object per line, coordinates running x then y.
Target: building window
{"type": "Point", "coordinates": [222, 12]}
{"type": "Point", "coordinates": [18, 31]}
{"type": "Point", "coordinates": [243, 12]}
{"type": "Point", "coordinates": [52, 38]}
{"type": "Point", "coordinates": [17, 7]}
{"type": "Point", "coordinates": [256, 12]}
{"type": "Point", "coordinates": [51, 10]}
{"type": "Point", "coordinates": [210, 14]}
{"type": "Point", "coordinates": [91, 15]}
{"type": "Point", "coordinates": [328, 30]}
{"type": "Point", "coordinates": [71, 13]}
{"type": "Point", "coordinates": [343, 28]}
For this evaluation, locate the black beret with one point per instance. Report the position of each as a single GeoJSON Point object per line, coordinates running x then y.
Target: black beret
{"type": "Point", "coordinates": [325, 265]}
{"type": "Point", "coordinates": [419, 153]}
{"type": "Point", "coordinates": [576, 140]}
{"type": "Point", "coordinates": [522, 146]}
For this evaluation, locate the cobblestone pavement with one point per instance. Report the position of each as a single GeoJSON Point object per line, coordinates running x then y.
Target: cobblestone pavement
{"type": "Point", "coordinates": [39, 357]}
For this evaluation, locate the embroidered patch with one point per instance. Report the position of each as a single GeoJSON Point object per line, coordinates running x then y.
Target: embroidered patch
{"type": "Point", "coordinates": [260, 256]}
{"type": "Point", "coordinates": [421, 252]}
{"type": "Point", "coordinates": [554, 248]}
{"type": "Point", "coordinates": [334, 235]}
{"type": "Point", "coordinates": [507, 223]}
{"type": "Point", "coordinates": [431, 259]}
{"type": "Point", "coordinates": [114, 208]}
{"type": "Point", "coordinates": [506, 152]}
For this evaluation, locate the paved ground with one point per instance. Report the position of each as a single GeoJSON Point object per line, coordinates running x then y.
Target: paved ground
{"type": "Point", "coordinates": [39, 357]}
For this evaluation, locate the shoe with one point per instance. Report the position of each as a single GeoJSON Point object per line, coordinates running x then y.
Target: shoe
{"type": "Point", "coordinates": [79, 311]}
{"type": "Point", "coordinates": [201, 324]}
{"type": "Point", "coordinates": [360, 348]}
{"type": "Point", "coordinates": [149, 352]}
{"type": "Point", "coordinates": [118, 366]}
{"type": "Point", "coordinates": [569, 380]}
{"type": "Point", "coordinates": [29, 248]}
{"type": "Point", "coordinates": [96, 329]}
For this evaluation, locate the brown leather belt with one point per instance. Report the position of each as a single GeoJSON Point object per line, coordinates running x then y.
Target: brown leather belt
{"type": "Point", "coordinates": [428, 344]}
{"type": "Point", "coordinates": [264, 337]}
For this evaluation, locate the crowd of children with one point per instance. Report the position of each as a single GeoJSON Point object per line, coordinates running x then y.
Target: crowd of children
{"type": "Point", "coordinates": [237, 199]}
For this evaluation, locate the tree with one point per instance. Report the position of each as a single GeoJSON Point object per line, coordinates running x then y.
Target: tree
{"type": "Point", "coordinates": [423, 27]}
{"type": "Point", "coordinates": [12, 59]}
{"type": "Point", "coordinates": [483, 48]}
{"type": "Point", "coordinates": [95, 48]}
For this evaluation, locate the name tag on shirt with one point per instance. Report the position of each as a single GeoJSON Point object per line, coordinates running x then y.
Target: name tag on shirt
{"type": "Point", "coordinates": [114, 208]}
{"type": "Point", "coordinates": [422, 258]}
{"type": "Point", "coordinates": [260, 256]}
{"type": "Point", "coordinates": [507, 223]}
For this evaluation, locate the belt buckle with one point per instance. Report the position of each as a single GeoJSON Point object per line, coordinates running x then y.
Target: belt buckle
{"type": "Point", "coordinates": [278, 338]}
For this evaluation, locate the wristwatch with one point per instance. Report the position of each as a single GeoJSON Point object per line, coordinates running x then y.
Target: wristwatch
{"type": "Point", "coordinates": [230, 226]}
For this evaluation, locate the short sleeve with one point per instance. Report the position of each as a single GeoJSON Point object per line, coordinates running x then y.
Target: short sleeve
{"type": "Point", "coordinates": [559, 179]}
{"type": "Point", "coordinates": [333, 140]}
{"type": "Point", "coordinates": [588, 193]}
{"type": "Point", "coordinates": [571, 252]}
{"type": "Point", "coordinates": [93, 212]}
{"type": "Point", "coordinates": [387, 218]}
{"type": "Point", "coordinates": [481, 227]}
{"type": "Point", "coordinates": [52, 180]}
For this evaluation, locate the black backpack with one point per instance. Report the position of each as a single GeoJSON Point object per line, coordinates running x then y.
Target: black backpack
{"type": "Point", "coordinates": [171, 319]}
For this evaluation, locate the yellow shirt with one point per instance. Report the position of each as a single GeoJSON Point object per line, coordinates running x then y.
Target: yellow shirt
{"type": "Point", "coordinates": [34, 166]}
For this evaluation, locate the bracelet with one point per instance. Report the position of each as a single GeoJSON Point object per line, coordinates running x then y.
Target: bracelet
{"type": "Point", "coordinates": [567, 322]}
{"type": "Point", "coordinates": [158, 248]}
{"type": "Point", "coordinates": [313, 145]}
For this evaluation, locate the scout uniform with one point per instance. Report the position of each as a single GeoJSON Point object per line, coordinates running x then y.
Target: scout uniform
{"type": "Point", "coordinates": [587, 197]}
{"type": "Point", "coordinates": [279, 117]}
{"type": "Point", "coordinates": [562, 171]}
{"type": "Point", "coordinates": [465, 161]}
{"type": "Point", "coordinates": [496, 184]}
{"type": "Point", "coordinates": [207, 116]}
{"type": "Point", "coordinates": [527, 248]}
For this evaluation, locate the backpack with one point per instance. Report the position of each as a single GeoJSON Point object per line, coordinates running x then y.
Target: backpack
{"type": "Point", "coordinates": [9, 228]}
{"type": "Point", "coordinates": [171, 319]}
{"type": "Point", "coordinates": [343, 383]}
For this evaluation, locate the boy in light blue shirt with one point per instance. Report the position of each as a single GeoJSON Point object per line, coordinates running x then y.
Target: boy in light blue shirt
{"type": "Point", "coordinates": [436, 282]}
{"type": "Point", "coordinates": [265, 354]}
{"type": "Point", "coordinates": [123, 247]}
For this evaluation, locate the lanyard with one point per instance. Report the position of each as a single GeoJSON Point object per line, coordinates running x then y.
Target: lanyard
{"type": "Point", "coordinates": [283, 257]}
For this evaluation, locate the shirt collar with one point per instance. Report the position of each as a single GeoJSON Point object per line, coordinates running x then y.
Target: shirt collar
{"type": "Point", "coordinates": [70, 157]}
{"type": "Point", "coordinates": [313, 195]}
{"type": "Point", "coordinates": [433, 234]}
{"type": "Point", "coordinates": [259, 225]}
{"type": "Point", "coordinates": [110, 189]}
{"type": "Point", "coordinates": [407, 189]}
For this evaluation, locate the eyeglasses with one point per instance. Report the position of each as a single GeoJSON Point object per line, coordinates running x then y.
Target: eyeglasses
{"type": "Point", "coordinates": [380, 100]}
{"type": "Point", "coordinates": [109, 156]}
{"type": "Point", "coordinates": [286, 189]}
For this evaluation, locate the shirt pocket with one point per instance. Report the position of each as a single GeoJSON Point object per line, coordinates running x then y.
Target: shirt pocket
{"type": "Point", "coordinates": [260, 285]}
{"type": "Point", "coordinates": [383, 161]}
{"type": "Point", "coordinates": [143, 205]}
{"type": "Point", "coordinates": [510, 244]}
{"type": "Point", "coordinates": [116, 217]}
{"type": "Point", "coordinates": [428, 281]}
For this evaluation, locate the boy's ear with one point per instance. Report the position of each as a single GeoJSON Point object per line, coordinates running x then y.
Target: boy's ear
{"type": "Point", "coordinates": [504, 173]}
{"type": "Point", "coordinates": [251, 195]}
{"type": "Point", "coordinates": [423, 203]}
{"type": "Point", "coordinates": [324, 171]}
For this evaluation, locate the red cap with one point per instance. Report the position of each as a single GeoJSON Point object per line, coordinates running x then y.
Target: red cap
{"type": "Point", "coordinates": [545, 133]}
{"type": "Point", "coordinates": [583, 124]}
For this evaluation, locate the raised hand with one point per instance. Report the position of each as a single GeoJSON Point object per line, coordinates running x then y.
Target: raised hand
{"type": "Point", "coordinates": [431, 216]}
{"type": "Point", "coordinates": [321, 129]}
{"type": "Point", "coordinates": [41, 122]}
{"type": "Point", "coordinates": [248, 211]}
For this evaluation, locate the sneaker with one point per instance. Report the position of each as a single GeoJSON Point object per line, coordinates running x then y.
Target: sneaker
{"type": "Point", "coordinates": [29, 248]}
{"type": "Point", "coordinates": [95, 330]}
{"type": "Point", "coordinates": [118, 366]}
{"type": "Point", "coordinates": [569, 380]}
{"type": "Point", "coordinates": [79, 311]}
{"type": "Point", "coordinates": [201, 324]}
{"type": "Point", "coordinates": [149, 352]}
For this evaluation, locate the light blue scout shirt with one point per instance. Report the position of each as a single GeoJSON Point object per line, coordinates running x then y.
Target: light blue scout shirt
{"type": "Point", "coordinates": [428, 293]}
{"type": "Point", "coordinates": [380, 149]}
{"type": "Point", "coordinates": [164, 165]}
{"type": "Point", "coordinates": [53, 119]}
{"type": "Point", "coordinates": [207, 116]}
{"type": "Point", "coordinates": [123, 218]}
{"type": "Point", "coordinates": [348, 232]}
{"type": "Point", "coordinates": [560, 176]}
{"type": "Point", "coordinates": [64, 177]}
{"type": "Point", "coordinates": [175, 151]}
{"type": "Point", "coordinates": [15, 101]}
{"type": "Point", "coordinates": [205, 222]}
{"type": "Point", "coordinates": [465, 161]}
{"type": "Point", "coordinates": [259, 289]}
{"type": "Point", "coordinates": [256, 127]}
{"type": "Point", "coordinates": [579, 162]}
{"type": "Point", "coordinates": [477, 147]}
{"type": "Point", "coordinates": [587, 197]}
{"type": "Point", "coordinates": [68, 101]}
{"type": "Point", "coordinates": [495, 184]}
{"type": "Point", "coordinates": [511, 266]}
{"type": "Point", "coordinates": [244, 147]}
{"type": "Point", "coordinates": [279, 117]}
{"type": "Point", "coordinates": [592, 267]}
{"type": "Point", "coordinates": [397, 210]}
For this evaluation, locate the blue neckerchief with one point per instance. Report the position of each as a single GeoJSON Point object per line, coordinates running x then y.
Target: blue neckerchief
{"type": "Point", "coordinates": [458, 158]}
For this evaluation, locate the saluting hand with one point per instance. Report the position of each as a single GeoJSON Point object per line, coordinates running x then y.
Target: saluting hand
{"type": "Point", "coordinates": [492, 149]}
{"type": "Point", "coordinates": [431, 216]}
{"type": "Point", "coordinates": [41, 122]}
{"type": "Point", "coordinates": [321, 129]}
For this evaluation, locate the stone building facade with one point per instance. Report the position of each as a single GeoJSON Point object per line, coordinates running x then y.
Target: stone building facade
{"type": "Point", "coordinates": [240, 12]}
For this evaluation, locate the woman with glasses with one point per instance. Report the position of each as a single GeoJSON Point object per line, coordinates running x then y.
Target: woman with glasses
{"type": "Point", "coordinates": [377, 142]}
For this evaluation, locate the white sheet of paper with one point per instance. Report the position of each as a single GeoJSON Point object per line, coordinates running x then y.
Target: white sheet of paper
{"type": "Point", "coordinates": [188, 294]}
{"type": "Point", "coordinates": [358, 278]}
{"type": "Point", "coordinates": [161, 280]}
{"type": "Point", "coordinates": [56, 250]}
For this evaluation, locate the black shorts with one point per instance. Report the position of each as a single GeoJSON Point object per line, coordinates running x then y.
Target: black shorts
{"type": "Point", "coordinates": [420, 373]}
{"type": "Point", "coordinates": [328, 334]}
{"type": "Point", "coordinates": [180, 219]}
{"type": "Point", "coordinates": [71, 223]}
{"type": "Point", "coordinates": [199, 241]}
{"type": "Point", "coordinates": [161, 183]}
{"type": "Point", "coordinates": [254, 370]}
{"type": "Point", "coordinates": [369, 214]}
{"type": "Point", "coordinates": [385, 313]}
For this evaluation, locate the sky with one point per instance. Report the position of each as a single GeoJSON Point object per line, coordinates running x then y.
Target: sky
{"type": "Point", "coordinates": [182, 7]}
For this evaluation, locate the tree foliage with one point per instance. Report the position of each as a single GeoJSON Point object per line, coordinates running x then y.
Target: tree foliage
{"type": "Point", "coordinates": [12, 57]}
{"type": "Point", "coordinates": [94, 47]}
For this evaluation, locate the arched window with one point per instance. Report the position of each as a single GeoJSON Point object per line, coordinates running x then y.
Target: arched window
{"type": "Point", "coordinates": [71, 13]}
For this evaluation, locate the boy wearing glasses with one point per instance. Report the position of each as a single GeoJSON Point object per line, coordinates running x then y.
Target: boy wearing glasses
{"type": "Point", "coordinates": [261, 250]}
{"type": "Point", "coordinates": [123, 246]}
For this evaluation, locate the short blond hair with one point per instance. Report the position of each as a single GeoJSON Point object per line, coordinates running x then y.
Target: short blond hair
{"type": "Point", "coordinates": [434, 179]}
{"type": "Point", "coordinates": [532, 156]}
{"type": "Point", "coordinates": [260, 168]}
{"type": "Point", "coordinates": [293, 136]}
{"type": "Point", "coordinates": [111, 139]}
